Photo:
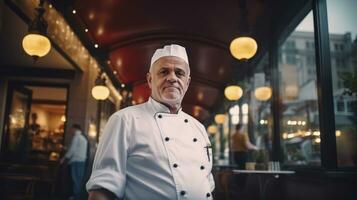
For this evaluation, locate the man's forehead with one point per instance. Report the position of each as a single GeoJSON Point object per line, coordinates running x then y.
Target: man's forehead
{"type": "Point", "coordinates": [172, 60]}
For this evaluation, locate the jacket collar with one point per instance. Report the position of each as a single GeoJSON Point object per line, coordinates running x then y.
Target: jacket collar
{"type": "Point", "coordinates": [158, 107]}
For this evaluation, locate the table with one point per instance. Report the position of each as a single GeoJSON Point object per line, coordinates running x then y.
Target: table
{"type": "Point", "coordinates": [21, 178]}
{"type": "Point", "coordinates": [262, 185]}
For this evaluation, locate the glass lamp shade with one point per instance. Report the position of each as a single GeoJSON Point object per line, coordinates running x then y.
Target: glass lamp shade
{"type": "Point", "coordinates": [243, 47]}
{"type": "Point", "coordinates": [36, 45]}
{"type": "Point", "coordinates": [220, 118]}
{"type": "Point", "coordinates": [233, 92]}
{"type": "Point", "coordinates": [263, 93]}
{"type": "Point", "coordinates": [100, 92]}
{"type": "Point", "coordinates": [212, 129]}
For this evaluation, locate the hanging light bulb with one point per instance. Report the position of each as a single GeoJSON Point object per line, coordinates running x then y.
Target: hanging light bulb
{"type": "Point", "coordinates": [233, 92]}
{"type": "Point", "coordinates": [243, 47]}
{"type": "Point", "coordinates": [263, 93]}
{"type": "Point", "coordinates": [220, 118]}
{"type": "Point", "coordinates": [212, 129]}
{"type": "Point", "coordinates": [100, 91]}
{"type": "Point", "coordinates": [35, 43]}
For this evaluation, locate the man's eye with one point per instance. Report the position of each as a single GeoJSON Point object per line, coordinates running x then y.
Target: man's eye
{"type": "Point", "coordinates": [163, 72]}
{"type": "Point", "coordinates": [180, 73]}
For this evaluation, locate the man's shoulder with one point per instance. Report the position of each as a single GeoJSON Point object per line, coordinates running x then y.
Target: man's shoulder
{"type": "Point", "coordinates": [130, 110]}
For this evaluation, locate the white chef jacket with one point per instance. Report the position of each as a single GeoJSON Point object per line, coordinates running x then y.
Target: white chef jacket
{"type": "Point", "coordinates": [148, 153]}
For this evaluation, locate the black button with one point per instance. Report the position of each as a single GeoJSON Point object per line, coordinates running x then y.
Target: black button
{"type": "Point", "coordinates": [167, 139]}
{"type": "Point", "coordinates": [175, 165]}
{"type": "Point", "coordinates": [194, 139]}
{"type": "Point", "coordinates": [186, 120]}
{"type": "Point", "coordinates": [160, 116]}
{"type": "Point", "coordinates": [208, 194]}
{"type": "Point", "coordinates": [202, 167]}
{"type": "Point", "coordinates": [183, 192]}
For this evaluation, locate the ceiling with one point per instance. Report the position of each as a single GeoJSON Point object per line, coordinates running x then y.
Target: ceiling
{"type": "Point", "coordinates": [128, 32]}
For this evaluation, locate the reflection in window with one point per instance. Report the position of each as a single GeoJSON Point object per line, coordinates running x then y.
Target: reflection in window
{"type": "Point", "coordinates": [343, 46]}
{"type": "Point", "coordinates": [299, 123]}
{"type": "Point", "coordinates": [255, 116]}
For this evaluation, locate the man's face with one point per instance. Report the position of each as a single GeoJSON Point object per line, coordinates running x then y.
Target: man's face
{"type": "Point", "coordinates": [169, 79]}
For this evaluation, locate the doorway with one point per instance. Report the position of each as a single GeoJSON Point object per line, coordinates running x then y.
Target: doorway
{"type": "Point", "coordinates": [35, 118]}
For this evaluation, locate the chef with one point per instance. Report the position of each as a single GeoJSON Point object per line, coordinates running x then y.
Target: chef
{"type": "Point", "coordinates": [155, 151]}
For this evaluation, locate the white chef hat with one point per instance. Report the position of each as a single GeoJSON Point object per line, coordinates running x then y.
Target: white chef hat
{"type": "Point", "coordinates": [170, 50]}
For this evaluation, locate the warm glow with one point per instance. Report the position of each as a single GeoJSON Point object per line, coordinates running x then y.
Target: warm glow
{"type": "Point", "coordinates": [36, 45]}
{"type": "Point", "coordinates": [316, 133]}
{"type": "Point", "coordinates": [100, 92]}
{"type": "Point", "coordinates": [245, 119]}
{"type": "Point", "coordinates": [212, 129]}
{"type": "Point", "coordinates": [285, 135]}
{"type": "Point", "coordinates": [262, 93]}
{"type": "Point", "coordinates": [235, 119]}
{"type": "Point", "coordinates": [245, 109]}
{"type": "Point", "coordinates": [233, 92]}
{"type": "Point", "coordinates": [243, 47]}
{"type": "Point", "coordinates": [92, 132]}
{"type": "Point", "coordinates": [234, 110]}
{"type": "Point", "coordinates": [317, 140]}
{"type": "Point", "coordinates": [338, 133]}
{"type": "Point", "coordinates": [220, 118]}
{"type": "Point", "coordinates": [63, 118]}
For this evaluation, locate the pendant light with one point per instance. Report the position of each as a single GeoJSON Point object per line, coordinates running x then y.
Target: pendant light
{"type": "Point", "coordinates": [220, 118]}
{"type": "Point", "coordinates": [36, 43]}
{"type": "Point", "coordinates": [233, 92]}
{"type": "Point", "coordinates": [212, 129]}
{"type": "Point", "coordinates": [100, 91]}
{"type": "Point", "coordinates": [263, 93]}
{"type": "Point", "coordinates": [243, 47]}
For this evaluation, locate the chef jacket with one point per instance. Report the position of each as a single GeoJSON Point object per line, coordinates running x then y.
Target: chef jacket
{"type": "Point", "coordinates": [147, 153]}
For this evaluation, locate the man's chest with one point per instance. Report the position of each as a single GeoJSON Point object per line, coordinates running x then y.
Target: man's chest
{"type": "Point", "coordinates": [167, 137]}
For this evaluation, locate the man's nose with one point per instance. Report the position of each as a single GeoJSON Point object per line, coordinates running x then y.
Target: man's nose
{"type": "Point", "coordinates": [171, 77]}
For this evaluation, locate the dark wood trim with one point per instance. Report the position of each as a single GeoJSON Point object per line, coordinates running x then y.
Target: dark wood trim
{"type": "Point", "coordinates": [16, 71]}
{"type": "Point", "coordinates": [277, 154]}
{"type": "Point", "coordinates": [324, 86]}
{"type": "Point", "coordinates": [40, 84]}
{"type": "Point", "coordinates": [45, 101]}
{"type": "Point", "coordinates": [284, 29]}
{"type": "Point", "coordinates": [168, 35]}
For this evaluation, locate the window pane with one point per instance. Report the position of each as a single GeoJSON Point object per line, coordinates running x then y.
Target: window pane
{"type": "Point", "coordinates": [343, 45]}
{"type": "Point", "coordinates": [300, 134]}
{"type": "Point", "coordinates": [255, 139]}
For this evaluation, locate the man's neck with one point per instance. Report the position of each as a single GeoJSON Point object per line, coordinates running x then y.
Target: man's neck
{"type": "Point", "coordinates": [174, 108]}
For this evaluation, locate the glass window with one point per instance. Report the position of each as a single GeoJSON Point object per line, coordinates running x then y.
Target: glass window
{"type": "Point", "coordinates": [340, 106]}
{"type": "Point", "coordinates": [36, 123]}
{"type": "Point", "coordinates": [300, 136]}
{"type": "Point", "coordinates": [343, 34]}
{"type": "Point", "coordinates": [256, 118]}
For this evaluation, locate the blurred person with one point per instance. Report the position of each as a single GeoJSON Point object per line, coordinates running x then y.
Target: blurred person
{"type": "Point", "coordinates": [240, 145]}
{"type": "Point", "coordinates": [77, 156]}
{"type": "Point", "coordinates": [155, 151]}
{"type": "Point", "coordinates": [34, 127]}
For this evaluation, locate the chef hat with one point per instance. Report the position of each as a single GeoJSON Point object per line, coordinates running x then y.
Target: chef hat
{"type": "Point", "coordinates": [169, 50]}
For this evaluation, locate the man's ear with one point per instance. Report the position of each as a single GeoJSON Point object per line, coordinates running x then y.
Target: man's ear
{"type": "Point", "coordinates": [148, 79]}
